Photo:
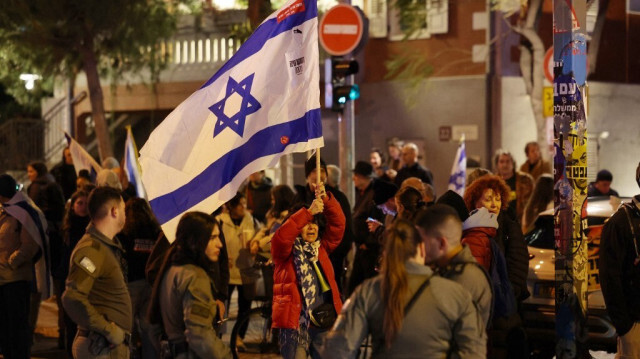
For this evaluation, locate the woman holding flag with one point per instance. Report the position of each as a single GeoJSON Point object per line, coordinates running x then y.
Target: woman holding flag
{"type": "Point", "coordinates": [305, 293]}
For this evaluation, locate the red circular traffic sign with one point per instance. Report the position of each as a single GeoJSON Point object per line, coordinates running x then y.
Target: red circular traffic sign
{"type": "Point", "coordinates": [548, 65]}
{"type": "Point", "coordinates": [341, 29]}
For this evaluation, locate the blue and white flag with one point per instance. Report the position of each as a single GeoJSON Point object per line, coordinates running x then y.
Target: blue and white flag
{"type": "Point", "coordinates": [82, 160]}
{"type": "Point", "coordinates": [263, 103]}
{"type": "Point", "coordinates": [22, 208]}
{"type": "Point", "coordinates": [131, 164]}
{"type": "Point", "coordinates": [459, 170]}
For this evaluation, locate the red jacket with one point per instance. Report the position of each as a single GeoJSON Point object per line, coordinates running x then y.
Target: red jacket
{"type": "Point", "coordinates": [478, 239]}
{"type": "Point", "coordinates": [287, 302]}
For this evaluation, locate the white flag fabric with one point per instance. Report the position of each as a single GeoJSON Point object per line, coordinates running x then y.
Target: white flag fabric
{"type": "Point", "coordinates": [82, 160]}
{"type": "Point", "coordinates": [458, 177]}
{"type": "Point", "coordinates": [22, 208]}
{"type": "Point", "coordinates": [131, 164]}
{"type": "Point", "coordinates": [263, 103]}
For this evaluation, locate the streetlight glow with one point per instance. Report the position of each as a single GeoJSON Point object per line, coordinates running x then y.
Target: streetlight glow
{"type": "Point", "coordinates": [29, 80]}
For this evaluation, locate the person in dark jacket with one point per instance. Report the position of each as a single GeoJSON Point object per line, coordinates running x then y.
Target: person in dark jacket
{"type": "Point", "coordinates": [258, 194]}
{"type": "Point", "coordinates": [602, 185]}
{"type": "Point", "coordinates": [306, 194]}
{"type": "Point", "coordinates": [620, 274]}
{"type": "Point", "coordinates": [74, 227]}
{"type": "Point", "coordinates": [411, 166]}
{"type": "Point", "coordinates": [65, 174]}
{"type": "Point", "coordinates": [47, 195]}
{"type": "Point", "coordinates": [138, 237]}
{"type": "Point", "coordinates": [303, 274]}
{"type": "Point", "coordinates": [367, 245]}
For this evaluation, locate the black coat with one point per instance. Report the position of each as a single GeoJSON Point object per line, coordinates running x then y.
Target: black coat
{"type": "Point", "coordinates": [416, 170]}
{"type": "Point", "coordinates": [619, 276]}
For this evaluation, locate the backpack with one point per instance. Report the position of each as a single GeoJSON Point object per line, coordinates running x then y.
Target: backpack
{"type": "Point", "coordinates": [504, 301]}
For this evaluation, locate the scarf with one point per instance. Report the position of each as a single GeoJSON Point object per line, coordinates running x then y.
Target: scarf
{"type": "Point", "coordinates": [304, 254]}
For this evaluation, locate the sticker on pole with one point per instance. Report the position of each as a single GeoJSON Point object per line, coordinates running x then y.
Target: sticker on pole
{"type": "Point", "coordinates": [341, 30]}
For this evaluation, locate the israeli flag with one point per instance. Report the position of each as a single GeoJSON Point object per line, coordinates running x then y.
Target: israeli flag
{"type": "Point", "coordinates": [82, 160]}
{"type": "Point", "coordinates": [263, 103]}
{"type": "Point", "coordinates": [131, 164]}
{"type": "Point", "coordinates": [459, 170]}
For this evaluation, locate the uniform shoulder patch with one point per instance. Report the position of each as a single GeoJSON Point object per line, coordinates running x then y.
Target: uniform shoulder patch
{"type": "Point", "coordinates": [88, 264]}
{"type": "Point", "coordinates": [200, 311]}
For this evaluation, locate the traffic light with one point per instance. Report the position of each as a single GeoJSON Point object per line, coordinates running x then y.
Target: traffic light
{"type": "Point", "coordinates": [339, 91]}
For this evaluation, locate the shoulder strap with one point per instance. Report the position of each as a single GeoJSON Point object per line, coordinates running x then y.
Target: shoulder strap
{"type": "Point", "coordinates": [633, 232]}
{"type": "Point", "coordinates": [415, 296]}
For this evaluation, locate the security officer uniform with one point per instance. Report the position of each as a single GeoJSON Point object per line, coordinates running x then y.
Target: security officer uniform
{"type": "Point", "coordinates": [188, 311]}
{"type": "Point", "coordinates": [97, 298]}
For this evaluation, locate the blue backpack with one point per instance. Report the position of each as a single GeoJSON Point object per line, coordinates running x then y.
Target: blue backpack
{"type": "Point", "coordinates": [504, 301]}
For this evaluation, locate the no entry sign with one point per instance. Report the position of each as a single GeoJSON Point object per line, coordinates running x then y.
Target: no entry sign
{"type": "Point", "coordinates": [341, 30]}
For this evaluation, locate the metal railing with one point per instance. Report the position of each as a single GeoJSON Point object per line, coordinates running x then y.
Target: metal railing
{"type": "Point", "coordinates": [21, 141]}
{"type": "Point", "coordinates": [56, 121]}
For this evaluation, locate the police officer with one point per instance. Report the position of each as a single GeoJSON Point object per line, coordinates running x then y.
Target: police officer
{"type": "Point", "coordinates": [96, 295]}
{"type": "Point", "coordinates": [182, 297]}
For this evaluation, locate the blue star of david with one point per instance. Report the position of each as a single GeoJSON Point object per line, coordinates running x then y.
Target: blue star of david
{"type": "Point", "coordinates": [249, 105]}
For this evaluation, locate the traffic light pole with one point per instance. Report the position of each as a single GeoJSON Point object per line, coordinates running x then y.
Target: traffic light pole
{"type": "Point", "coordinates": [347, 145]}
{"type": "Point", "coordinates": [570, 176]}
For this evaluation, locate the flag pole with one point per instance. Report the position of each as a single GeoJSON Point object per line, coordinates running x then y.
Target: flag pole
{"type": "Point", "coordinates": [318, 180]}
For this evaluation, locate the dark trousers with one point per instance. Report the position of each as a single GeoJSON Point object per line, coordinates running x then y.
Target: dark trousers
{"type": "Point", "coordinates": [364, 267]}
{"type": "Point", "coordinates": [15, 337]}
{"type": "Point", "coordinates": [244, 305]}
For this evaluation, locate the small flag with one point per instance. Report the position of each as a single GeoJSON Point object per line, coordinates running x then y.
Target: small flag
{"type": "Point", "coordinates": [263, 103]}
{"type": "Point", "coordinates": [459, 170]}
{"type": "Point", "coordinates": [82, 160]}
{"type": "Point", "coordinates": [131, 164]}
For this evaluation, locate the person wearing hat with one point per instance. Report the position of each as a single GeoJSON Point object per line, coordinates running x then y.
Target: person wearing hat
{"type": "Point", "coordinates": [367, 246]}
{"type": "Point", "coordinates": [384, 197]}
{"type": "Point", "coordinates": [602, 185]}
{"type": "Point", "coordinates": [17, 251]}
{"type": "Point", "coordinates": [620, 274]}
{"type": "Point", "coordinates": [305, 194]}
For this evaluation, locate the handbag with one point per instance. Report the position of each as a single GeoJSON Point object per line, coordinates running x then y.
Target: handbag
{"type": "Point", "coordinates": [324, 316]}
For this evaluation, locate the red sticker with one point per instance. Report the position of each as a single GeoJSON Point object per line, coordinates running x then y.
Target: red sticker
{"type": "Point", "coordinates": [296, 7]}
{"type": "Point", "coordinates": [284, 140]}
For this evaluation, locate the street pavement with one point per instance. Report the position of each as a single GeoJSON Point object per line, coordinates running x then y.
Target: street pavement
{"type": "Point", "coordinates": [45, 344]}
{"type": "Point", "coordinates": [46, 336]}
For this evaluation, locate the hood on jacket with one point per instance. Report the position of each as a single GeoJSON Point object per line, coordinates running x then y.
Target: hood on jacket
{"type": "Point", "coordinates": [481, 218]}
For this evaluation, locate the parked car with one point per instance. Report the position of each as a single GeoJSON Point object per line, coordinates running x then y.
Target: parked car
{"type": "Point", "coordinates": [538, 310]}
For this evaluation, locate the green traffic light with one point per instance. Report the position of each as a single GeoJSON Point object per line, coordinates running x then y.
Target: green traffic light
{"type": "Point", "coordinates": [354, 93]}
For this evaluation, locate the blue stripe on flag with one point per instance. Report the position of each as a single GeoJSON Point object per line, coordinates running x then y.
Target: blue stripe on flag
{"type": "Point", "coordinates": [218, 174]}
{"type": "Point", "coordinates": [264, 32]}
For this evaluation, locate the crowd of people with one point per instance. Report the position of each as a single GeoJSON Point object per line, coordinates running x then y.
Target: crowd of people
{"type": "Point", "coordinates": [418, 273]}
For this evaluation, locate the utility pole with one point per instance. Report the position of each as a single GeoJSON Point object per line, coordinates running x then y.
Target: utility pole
{"type": "Point", "coordinates": [570, 176]}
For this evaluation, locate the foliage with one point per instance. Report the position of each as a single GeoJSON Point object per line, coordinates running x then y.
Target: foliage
{"type": "Point", "coordinates": [412, 16]}
{"type": "Point", "coordinates": [241, 31]}
{"type": "Point", "coordinates": [47, 36]}
{"type": "Point", "coordinates": [409, 66]}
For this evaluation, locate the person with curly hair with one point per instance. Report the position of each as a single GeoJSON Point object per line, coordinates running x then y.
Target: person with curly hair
{"type": "Point", "coordinates": [490, 222]}
{"type": "Point", "coordinates": [484, 199]}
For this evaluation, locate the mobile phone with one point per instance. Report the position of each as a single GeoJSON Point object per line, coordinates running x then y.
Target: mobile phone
{"type": "Point", "coordinates": [373, 220]}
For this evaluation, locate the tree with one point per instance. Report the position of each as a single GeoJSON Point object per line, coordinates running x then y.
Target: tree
{"type": "Point", "coordinates": [63, 37]}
